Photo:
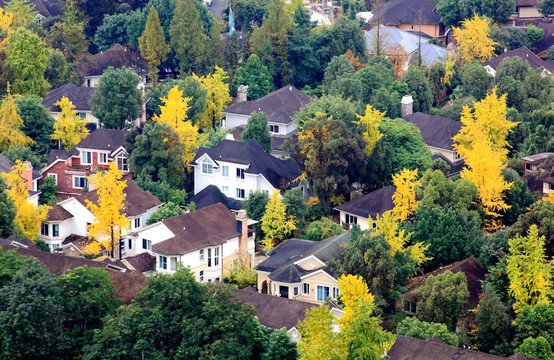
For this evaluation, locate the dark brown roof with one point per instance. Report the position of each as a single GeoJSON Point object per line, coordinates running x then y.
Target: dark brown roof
{"type": "Point", "coordinates": [142, 262]}
{"type": "Point", "coordinates": [548, 39]}
{"type": "Point", "coordinates": [436, 131]}
{"type": "Point", "coordinates": [46, 8]}
{"type": "Point", "coordinates": [80, 242]}
{"type": "Point", "coordinates": [117, 56]}
{"type": "Point", "coordinates": [537, 159]}
{"type": "Point", "coordinates": [209, 226]}
{"type": "Point", "coordinates": [137, 201]}
{"type": "Point", "coordinates": [103, 139]}
{"type": "Point", "coordinates": [525, 54]}
{"type": "Point", "coordinates": [370, 204]}
{"type": "Point", "coordinates": [526, 3]}
{"type": "Point", "coordinates": [58, 213]}
{"type": "Point", "coordinates": [398, 12]}
{"type": "Point", "coordinates": [6, 166]}
{"type": "Point", "coordinates": [279, 105]}
{"type": "Point", "coordinates": [13, 241]}
{"type": "Point", "coordinates": [78, 95]}
{"type": "Point", "coordinates": [406, 348]}
{"type": "Point", "coordinates": [212, 195]}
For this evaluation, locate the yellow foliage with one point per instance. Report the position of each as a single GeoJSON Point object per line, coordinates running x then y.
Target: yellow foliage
{"type": "Point", "coordinates": [217, 98]}
{"type": "Point", "coordinates": [313, 201]}
{"type": "Point", "coordinates": [337, 200]}
{"type": "Point", "coordinates": [353, 291]}
{"type": "Point", "coordinates": [6, 20]}
{"type": "Point", "coordinates": [275, 223]}
{"type": "Point", "coordinates": [10, 125]}
{"type": "Point", "coordinates": [174, 113]}
{"type": "Point", "coordinates": [29, 217]}
{"type": "Point", "coordinates": [370, 122]}
{"type": "Point", "coordinates": [474, 42]}
{"type": "Point", "coordinates": [449, 71]}
{"type": "Point", "coordinates": [70, 129]}
{"type": "Point", "coordinates": [404, 197]}
{"type": "Point", "coordinates": [550, 197]}
{"type": "Point", "coordinates": [109, 219]}
{"type": "Point", "coordinates": [309, 149]}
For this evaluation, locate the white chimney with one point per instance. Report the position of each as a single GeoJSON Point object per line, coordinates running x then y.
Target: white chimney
{"type": "Point", "coordinates": [407, 105]}
{"type": "Point", "coordinates": [242, 93]}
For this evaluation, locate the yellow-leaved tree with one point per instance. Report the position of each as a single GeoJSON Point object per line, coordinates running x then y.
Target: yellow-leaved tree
{"type": "Point", "coordinates": [275, 223]}
{"type": "Point", "coordinates": [11, 124]}
{"type": "Point", "coordinates": [369, 123]}
{"type": "Point", "coordinates": [6, 20]}
{"type": "Point", "coordinates": [217, 97]}
{"type": "Point", "coordinates": [404, 197]}
{"type": "Point", "coordinates": [319, 339]}
{"type": "Point", "coordinates": [69, 128]}
{"type": "Point", "coordinates": [473, 38]}
{"type": "Point", "coordinates": [353, 291]}
{"type": "Point", "coordinates": [448, 71]}
{"type": "Point", "coordinates": [109, 218]}
{"type": "Point", "coordinates": [174, 113]}
{"type": "Point", "coordinates": [29, 217]}
{"type": "Point", "coordinates": [529, 271]}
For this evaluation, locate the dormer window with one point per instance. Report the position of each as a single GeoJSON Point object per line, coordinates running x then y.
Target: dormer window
{"type": "Point", "coordinates": [86, 157]}
{"type": "Point", "coordinates": [122, 162]}
{"type": "Point", "coordinates": [207, 166]}
{"type": "Point", "coordinates": [102, 158]}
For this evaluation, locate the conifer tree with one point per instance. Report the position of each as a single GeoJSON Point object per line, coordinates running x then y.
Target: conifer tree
{"type": "Point", "coordinates": [187, 36]}
{"type": "Point", "coordinates": [215, 46]}
{"type": "Point", "coordinates": [257, 128]}
{"type": "Point", "coordinates": [70, 128]}
{"type": "Point", "coordinates": [152, 44]}
{"type": "Point", "coordinates": [11, 124]}
{"type": "Point", "coordinates": [256, 76]}
{"type": "Point", "coordinates": [369, 124]}
{"type": "Point", "coordinates": [275, 223]}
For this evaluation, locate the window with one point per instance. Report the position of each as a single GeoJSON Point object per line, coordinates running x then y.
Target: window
{"type": "Point", "coordinates": [88, 226]}
{"type": "Point", "coordinates": [240, 173]}
{"type": "Point", "coordinates": [122, 162]}
{"type": "Point", "coordinates": [79, 182]}
{"type": "Point", "coordinates": [412, 27]}
{"type": "Point", "coordinates": [335, 293]}
{"type": "Point", "coordinates": [207, 167]}
{"type": "Point", "coordinates": [86, 157]}
{"type": "Point", "coordinates": [102, 158]}
{"type": "Point", "coordinates": [89, 83]}
{"type": "Point", "coordinates": [296, 290]}
{"type": "Point", "coordinates": [147, 244]}
{"type": "Point", "coordinates": [322, 293]}
{"type": "Point", "coordinates": [202, 254]}
{"type": "Point", "coordinates": [274, 129]}
{"type": "Point", "coordinates": [83, 115]}
{"type": "Point", "coordinates": [216, 256]}
{"type": "Point", "coordinates": [201, 275]}
{"type": "Point", "coordinates": [173, 263]}
{"type": "Point", "coordinates": [163, 262]}
{"type": "Point", "coordinates": [44, 229]}
{"type": "Point", "coordinates": [137, 222]}
{"type": "Point", "coordinates": [225, 170]}
{"type": "Point", "coordinates": [349, 219]}
{"type": "Point", "coordinates": [54, 175]}
{"type": "Point", "coordinates": [240, 193]}
{"type": "Point", "coordinates": [209, 257]}
{"type": "Point", "coordinates": [225, 189]}
{"type": "Point", "coordinates": [55, 230]}
{"type": "Point", "coordinates": [306, 289]}
{"type": "Point", "coordinates": [527, 166]}
{"type": "Point", "coordinates": [409, 306]}
{"type": "Point", "coordinates": [130, 244]}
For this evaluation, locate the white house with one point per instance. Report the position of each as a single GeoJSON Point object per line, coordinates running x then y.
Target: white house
{"type": "Point", "coordinates": [238, 168]}
{"type": "Point", "coordinates": [208, 241]}
{"type": "Point", "coordinates": [360, 210]}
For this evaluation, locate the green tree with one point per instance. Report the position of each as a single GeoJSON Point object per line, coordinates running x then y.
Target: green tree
{"type": "Point", "coordinates": [322, 229]}
{"type": "Point", "coordinates": [257, 128]}
{"type": "Point", "coordinates": [249, 14]}
{"type": "Point", "coordinates": [215, 46]}
{"type": "Point", "coordinates": [256, 76]}
{"type": "Point", "coordinates": [419, 87]}
{"type": "Point", "coordinates": [23, 13]}
{"type": "Point", "coordinates": [7, 212]}
{"type": "Point", "coordinates": [58, 71]}
{"type": "Point", "coordinates": [187, 36]}
{"type": "Point", "coordinates": [414, 328]}
{"type": "Point", "coordinates": [337, 68]}
{"type": "Point", "coordinates": [493, 320]}
{"type": "Point", "coordinates": [69, 35]}
{"type": "Point", "coordinates": [442, 297]}
{"type": "Point", "coordinates": [113, 30]}
{"type": "Point", "coordinates": [167, 211]}
{"type": "Point", "coordinates": [38, 123]}
{"type": "Point", "coordinates": [152, 44]}
{"type": "Point", "coordinates": [347, 35]}
{"type": "Point", "coordinates": [255, 204]}
{"type": "Point", "coordinates": [518, 197]}
{"type": "Point", "coordinates": [494, 249]}
{"type": "Point", "coordinates": [534, 34]}
{"type": "Point", "coordinates": [437, 192]}
{"type": "Point", "coordinates": [546, 7]}
{"type": "Point", "coordinates": [280, 347]}
{"type": "Point", "coordinates": [475, 80]}
{"type": "Point", "coordinates": [508, 37]}
{"type": "Point", "coordinates": [537, 348]}
{"type": "Point", "coordinates": [550, 54]}
{"type": "Point", "coordinates": [48, 190]}
{"type": "Point", "coordinates": [26, 55]}
{"type": "Point", "coordinates": [117, 100]}
{"type": "Point", "coordinates": [375, 77]}
{"type": "Point", "coordinates": [332, 106]}
{"type": "Point", "coordinates": [302, 57]}
{"type": "Point", "coordinates": [10, 263]}
{"type": "Point", "coordinates": [534, 322]}
{"type": "Point", "coordinates": [514, 67]}
{"type": "Point", "coordinates": [294, 201]}
{"type": "Point", "coordinates": [19, 152]}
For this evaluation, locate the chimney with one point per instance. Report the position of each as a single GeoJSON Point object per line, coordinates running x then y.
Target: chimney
{"type": "Point", "coordinates": [242, 224]}
{"type": "Point", "coordinates": [407, 105]}
{"type": "Point", "coordinates": [242, 93]}
{"type": "Point", "coordinates": [28, 174]}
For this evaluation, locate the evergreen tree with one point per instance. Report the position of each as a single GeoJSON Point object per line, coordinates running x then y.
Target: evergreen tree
{"type": "Point", "coordinates": [257, 128]}
{"type": "Point", "coordinates": [420, 89]}
{"type": "Point", "coordinates": [48, 190]}
{"type": "Point", "coordinates": [537, 348]}
{"type": "Point", "coordinates": [187, 37]}
{"type": "Point", "coordinates": [38, 123]}
{"type": "Point", "coordinates": [256, 76]}
{"type": "Point", "coordinates": [152, 44]}
{"type": "Point", "coordinates": [7, 212]}
{"type": "Point", "coordinates": [303, 62]}
{"type": "Point", "coordinates": [493, 320]}
{"type": "Point", "coordinates": [414, 328]}
{"type": "Point", "coordinates": [280, 346]}
{"type": "Point", "coordinates": [215, 46]}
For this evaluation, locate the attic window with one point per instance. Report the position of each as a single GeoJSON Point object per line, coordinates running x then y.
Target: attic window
{"type": "Point", "coordinates": [313, 264]}
{"type": "Point", "coordinates": [207, 167]}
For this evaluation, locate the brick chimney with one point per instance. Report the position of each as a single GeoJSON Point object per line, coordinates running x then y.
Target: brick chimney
{"type": "Point", "coordinates": [242, 93]}
{"type": "Point", "coordinates": [28, 175]}
{"type": "Point", "coordinates": [242, 225]}
{"type": "Point", "coordinates": [407, 105]}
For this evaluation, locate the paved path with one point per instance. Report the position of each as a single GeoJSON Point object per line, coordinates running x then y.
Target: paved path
{"type": "Point", "coordinates": [217, 7]}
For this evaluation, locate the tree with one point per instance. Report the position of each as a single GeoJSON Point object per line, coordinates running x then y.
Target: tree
{"type": "Point", "coordinates": [419, 87]}
{"type": "Point", "coordinates": [422, 330]}
{"type": "Point", "coordinates": [473, 39]}
{"type": "Point", "coordinates": [69, 35]}
{"type": "Point", "coordinates": [518, 197]}
{"type": "Point", "coordinates": [296, 207]}
{"type": "Point", "coordinates": [23, 13]}
{"type": "Point", "coordinates": [476, 81]}
{"type": "Point", "coordinates": [541, 215]}
{"type": "Point", "coordinates": [353, 292]}
{"type": "Point", "coordinates": [534, 34]}
{"type": "Point", "coordinates": [534, 322]}
{"type": "Point", "coordinates": [256, 76]}
{"type": "Point", "coordinates": [257, 128]}
{"type": "Point", "coordinates": [6, 19]}
{"type": "Point", "coordinates": [375, 77]}
{"type": "Point", "coordinates": [529, 271]}
{"type": "Point", "coordinates": [113, 30]}
{"type": "Point", "coordinates": [26, 56]}
{"type": "Point", "coordinates": [514, 67]}
{"type": "Point", "coordinates": [369, 124]}
{"type": "Point", "coordinates": [10, 125]}
{"type": "Point", "coordinates": [58, 71]}
{"type": "Point", "coordinates": [442, 297]}
{"type": "Point", "coordinates": [337, 68]}
{"type": "Point", "coordinates": [256, 204]}
{"type": "Point", "coordinates": [537, 348]}
{"type": "Point", "coordinates": [546, 7]}
{"type": "Point", "coordinates": [10, 263]}
{"type": "Point", "coordinates": [319, 341]}
{"type": "Point", "coordinates": [29, 217]}
{"type": "Point", "coordinates": [8, 212]}
{"type": "Point", "coordinates": [492, 318]}
{"type": "Point", "coordinates": [38, 123]}
{"type": "Point", "coordinates": [509, 38]}
{"type": "Point", "coordinates": [322, 229]}
{"type": "Point", "coordinates": [216, 45]}
{"type": "Point", "coordinates": [275, 223]}
{"type": "Point", "coordinates": [497, 10]}
{"type": "Point", "coordinates": [152, 44]}
{"type": "Point", "coordinates": [70, 128]}
{"type": "Point", "coordinates": [217, 96]}
{"type": "Point", "coordinates": [302, 57]}
{"type": "Point", "coordinates": [550, 53]}
{"type": "Point", "coordinates": [48, 190]}
{"type": "Point", "coordinates": [167, 211]}
{"type": "Point", "coordinates": [117, 99]}
{"type": "Point", "coordinates": [404, 197]}
{"type": "Point", "coordinates": [280, 346]}
{"type": "Point", "coordinates": [18, 152]}
{"type": "Point", "coordinates": [109, 218]}
{"type": "Point", "coordinates": [187, 36]}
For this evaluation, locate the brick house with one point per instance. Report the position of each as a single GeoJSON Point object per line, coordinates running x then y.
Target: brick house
{"type": "Point", "coordinates": [72, 168]}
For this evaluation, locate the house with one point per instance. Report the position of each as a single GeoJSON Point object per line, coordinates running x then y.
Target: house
{"type": "Point", "coordinates": [72, 168]}
{"type": "Point", "coordinates": [406, 44]}
{"type": "Point", "coordinates": [238, 169]}
{"type": "Point", "coordinates": [360, 210]}
{"type": "Point", "coordinates": [266, 305]}
{"type": "Point", "coordinates": [434, 348]}
{"type": "Point", "coordinates": [66, 224]}
{"type": "Point", "coordinates": [118, 56]}
{"type": "Point", "coordinates": [474, 272]}
{"type": "Point", "coordinates": [526, 9]}
{"type": "Point", "coordinates": [78, 96]}
{"type": "Point", "coordinates": [212, 195]}
{"type": "Point", "coordinates": [144, 262]}
{"type": "Point", "coordinates": [526, 55]}
{"type": "Point", "coordinates": [208, 241]}
{"type": "Point", "coordinates": [299, 269]}
{"type": "Point", "coordinates": [24, 243]}
{"type": "Point", "coordinates": [44, 8]}
{"type": "Point", "coordinates": [31, 176]}
{"type": "Point", "coordinates": [539, 180]}
{"type": "Point", "coordinates": [409, 15]}
{"type": "Point", "coordinates": [279, 106]}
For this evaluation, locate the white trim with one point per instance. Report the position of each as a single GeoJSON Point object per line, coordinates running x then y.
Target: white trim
{"type": "Point", "coordinates": [103, 162]}
{"type": "Point", "coordinates": [73, 181]}
{"type": "Point", "coordinates": [54, 163]}
{"type": "Point", "coordinates": [54, 175]}
{"type": "Point", "coordinates": [306, 259]}
{"type": "Point", "coordinates": [318, 272]}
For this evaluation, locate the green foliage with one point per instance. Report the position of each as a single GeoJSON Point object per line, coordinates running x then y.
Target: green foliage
{"type": "Point", "coordinates": [334, 106]}
{"type": "Point", "coordinates": [453, 11]}
{"type": "Point", "coordinates": [437, 191]}
{"type": "Point", "coordinates": [187, 36]}
{"type": "Point", "coordinates": [550, 54]}
{"type": "Point", "coordinates": [442, 297]}
{"type": "Point", "coordinates": [387, 101]}
{"type": "Point", "coordinates": [152, 44]}
{"type": "Point", "coordinates": [7, 212]}
{"type": "Point", "coordinates": [162, 190]}
{"type": "Point", "coordinates": [19, 152]}
{"type": "Point", "coordinates": [537, 348]}
{"type": "Point", "coordinates": [419, 87]}
{"type": "Point", "coordinates": [414, 328]}
{"type": "Point", "coordinates": [534, 322]}
{"type": "Point", "coordinates": [542, 215]}
{"type": "Point", "coordinates": [494, 248]}
{"type": "Point", "coordinates": [166, 211]}
{"type": "Point", "coordinates": [509, 38]}
{"type": "Point", "coordinates": [546, 7]}
{"type": "Point", "coordinates": [112, 31]}
{"type": "Point", "coordinates": [514, 67]}
{"type": "Point", "coordinates": [302, 57]}
{"type": "Point", "coordinates": [518, 197]}
{"type": "Point", "coordinates": [48, 190]}
{"type": "Point", "coordinates": [280, 346]}
{"type": "Point", "coordinates": [38, 123]}
{"type": "Point", "coordinates": [374, 77]}
{"type": "Point", "coordinates": [322, 229]}
{"type": "Point", "coordinates": [249, 14]}
{"type": "Point", "coordinates": [241, 275]}
{"type": "Point", "coordinates": [255, 204]}
{"type": "Point", "coordinates": [338, 68]}
{"type": "Point", "coordinates": [475, 80]}
{"type": "Point", "coordinates": [117, 101]}
{"type": "Point", "coordinates": [58, 71]}
{"type": "Point", "coordinates": [348, 35]}
{"type": "Point", "coordinates": [534, 34]}
{"type": "Point", "coordinates": [493, 320]}
{"type": "Point", "coordinates": [453, 111]}
{"type": "Point", "coordinates": [256, 76]}
{"type": "Point", "coordinates": [10, 263]}
{"type": "Point", "coordinates": [257, 128]}
{"type": "Point", "coordinates": [294, 201]}
{"type": "Point", "coordinates": [498, 279]}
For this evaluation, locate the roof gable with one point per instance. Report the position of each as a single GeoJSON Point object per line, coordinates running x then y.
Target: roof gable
{"type": "Point", "coordinates": [370, 204]}
{"type": "Point", "coordinates": [117, 56]}
{"type": "Point", "coordinates": [78, 95]}
{"type": "Point", "coordinates": [398, 12]}
{"type": "Point", "coordinates": [212, 195]}
{"type": "Point", "coordinates": [525, 54]}
{"type": "Point", "coordinates": [436, 131]}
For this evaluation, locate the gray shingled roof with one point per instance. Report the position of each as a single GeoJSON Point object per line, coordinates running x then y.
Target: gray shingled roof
{"type": "Point", "coordinates": [78, 95]}
{"type": "Point", "coordinates": [58, 213]}
{"type": "Point", "coordinates": [117, 56]}
{"type": "Point", "coordinates": [436, 131]}
{"type": "Point", "coordinates": [6, 166]}
{"type": "Point", "coordinates": [46, 8]}
{"type": "Point", "coordinates": [370, 204]}
{"type": "Point", "coordinates": [279, 105]}
{"type": "Point", "coordinates": [398, 12]}
{"type": "Point", "coordinates": [525, 54]}
{"type": "Point", "coordinates": [212, 195]}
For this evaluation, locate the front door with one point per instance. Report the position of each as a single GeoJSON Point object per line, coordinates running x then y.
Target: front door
{"type": "Point", "coordinates": [284, 291]}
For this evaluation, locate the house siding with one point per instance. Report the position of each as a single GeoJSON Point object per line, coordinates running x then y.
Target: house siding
{"type": "Point", "coordinates": [363, 222]}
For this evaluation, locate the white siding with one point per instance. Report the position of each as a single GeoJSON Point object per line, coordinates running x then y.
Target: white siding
{"type": "Point", "coordinates": [234, 120]}
{"type": "Point", "coordinates": [363, 222]}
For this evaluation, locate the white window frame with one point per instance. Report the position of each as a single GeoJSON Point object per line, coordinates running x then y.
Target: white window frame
{"type": "Point", "coordinates": [207, 167]}
{"type": "Point", "coordinates": [148, 244]}
{"type": "Point", "coordinates": [274, 129]}
{"type": "Point", "coordinates": [44, 226]}
{"type": "Point", "coordinates": [173, 263]}
{"type": "Point", "coordinates": [225, 189]}
{"type": "Point", "coordinates": [162, 262]}
{"type": "Point", "coordinates": [225, 170]}
{"type": "Point", "coordinates": [136, 222]}
{"type": "Point", "coordinates": [350, 219]}
{"type": "Point", "coordinates": [304, 286]}
{"type": "Point", "coordinates": [82, 115]}
{"type": "Point", "coordinates": [54, 175]}
{"type": "Point", "coordinates": [83, 162]}
{"type": "Point", "coordinates": [240, 174]}
{"type": "Point", "coordinates": [81, 177]}
{"type": "Point", "coordinates": [201, 276]}
{"type": "Point", "coordinates": [241, 193]}
{"type": "Point", "coordinates": [201, 255]}
{"type": "Point", "coordinates": [216, 256]}
{"type": "Point", "coordinates": [54, 232]}
{"type": "Point", "coordinates": [124, 163]}
{"type": "Point", "coordinates": [102, 155]}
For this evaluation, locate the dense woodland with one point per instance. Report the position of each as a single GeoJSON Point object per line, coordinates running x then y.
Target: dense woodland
{"type": "Point", "coordinates": [351, 140]}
